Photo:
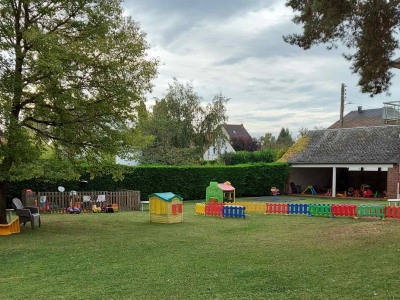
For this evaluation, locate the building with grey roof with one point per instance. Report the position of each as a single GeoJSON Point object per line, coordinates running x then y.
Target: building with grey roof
{"type": "Point", "coordinates": [340, 159]}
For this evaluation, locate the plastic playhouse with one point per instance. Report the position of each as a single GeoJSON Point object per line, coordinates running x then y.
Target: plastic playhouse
{"type": "Point", "coordinates": [220, 192]}
{"type": "Point", "coordinates": [165, 208]}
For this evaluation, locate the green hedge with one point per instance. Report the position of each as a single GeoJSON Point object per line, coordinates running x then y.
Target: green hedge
{"type": "Point", "coordinates": [247, 157]}
{"type": "Point", "coordinates": [188, 181]}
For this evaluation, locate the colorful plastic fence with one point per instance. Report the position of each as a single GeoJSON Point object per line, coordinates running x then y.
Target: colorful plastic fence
{"type": "Point", "coordinates": [371, 211]}
{"type": "Point", "coordinates": [348, 210]}
{"type": "Point", "coordinates": [319, 210]}
{"type": "Point", "coordinates": [214, 209]}
{"type": "Point", "coordinates": [298, 209]}
{"type": "Point", "coordinates": [392, 212]}
{"type": "Point", "coordinates": [238, 209]}
{"type": "Point", "coordinates": [276, 208]}
{"type": "Point", "coordinates": [233, 211]}
{"type": "Point", "coordinates": [200, 208]}
{"type": "Point", "coordinates": [256, 207]}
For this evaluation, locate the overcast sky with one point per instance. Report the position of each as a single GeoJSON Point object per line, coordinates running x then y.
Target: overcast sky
{"type": "Point", "coordinates": [236, 47]}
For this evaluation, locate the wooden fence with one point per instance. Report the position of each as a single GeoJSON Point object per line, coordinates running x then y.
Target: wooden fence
{"type": "Point", "coordinates": [57, 202]}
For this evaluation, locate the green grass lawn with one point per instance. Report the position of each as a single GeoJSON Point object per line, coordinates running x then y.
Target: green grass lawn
{"type": "Point", "coordinates": [123, 256]}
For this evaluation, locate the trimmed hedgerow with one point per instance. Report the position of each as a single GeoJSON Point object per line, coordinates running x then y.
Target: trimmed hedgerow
{"type": "Point", "coordinates": [247, 157]}
{"type": "Point", "coordinates": [188, 181]}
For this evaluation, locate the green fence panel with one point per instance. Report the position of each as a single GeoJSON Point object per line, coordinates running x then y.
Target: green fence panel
{"type": "Point", "coordinates": [371, 210]}
{"type": "Point", "coordinates": [319, 210]}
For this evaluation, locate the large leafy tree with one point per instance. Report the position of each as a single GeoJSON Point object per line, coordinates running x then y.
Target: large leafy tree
{"type": "Point", "coordinates": [368, 27]}
{"type": "Point", "coordinates": [182, 127]}
{"type": "Point", "coordinates": [71, 75]}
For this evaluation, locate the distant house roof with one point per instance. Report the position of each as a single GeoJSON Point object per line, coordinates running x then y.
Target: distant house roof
{"type": "Point", "coordinates": [166, 196]}
{"type": "Point", "coordinates": [362, 118]}
{"type": "Point", "coordinates": [363, 145]}
{"type": "Point", "coordinates": [236, 131]}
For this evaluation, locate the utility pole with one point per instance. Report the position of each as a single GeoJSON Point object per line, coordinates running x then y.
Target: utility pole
{"type": "Point", "coordinates": [342, 96]}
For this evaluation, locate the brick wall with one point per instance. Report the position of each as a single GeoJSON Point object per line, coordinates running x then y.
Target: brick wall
{"type": "Point", "coordinates": [392, 180]}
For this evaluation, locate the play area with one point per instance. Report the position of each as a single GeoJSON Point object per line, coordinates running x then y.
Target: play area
{"type": "Point", "coordinates": [264, 239]}
{"type": "Point", "coordinates": [355, 183]}
{"type": "Point", "coordinates": [281, 257]}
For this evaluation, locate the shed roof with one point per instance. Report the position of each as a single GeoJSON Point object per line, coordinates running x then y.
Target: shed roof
{"type": "Point", "coordinates": [363, 145]}
{"type": "Point", "coordinates": [226, 187]}
{"type": "Point", "coordinates": [166, 196]}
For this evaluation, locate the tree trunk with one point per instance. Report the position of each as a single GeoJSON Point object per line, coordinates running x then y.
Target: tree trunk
{"type": "Point", "coordinates": [5, 168]}
{"type": "Point", "coordinates": [3, 217]}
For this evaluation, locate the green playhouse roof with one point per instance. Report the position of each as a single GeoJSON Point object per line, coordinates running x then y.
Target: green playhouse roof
{"type": "Point", "coordinates": [166, 196]}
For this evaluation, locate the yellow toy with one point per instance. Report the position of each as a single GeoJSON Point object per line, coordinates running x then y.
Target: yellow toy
{"type": "Point", "coordinates": [10, 228]}
{"type": "Point", "coordinates": [96, 209]}
{"type": "Point", "coordinates": [165, 208]}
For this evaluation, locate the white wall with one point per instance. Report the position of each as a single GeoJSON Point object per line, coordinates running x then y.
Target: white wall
{"type": "Point", "coordinates": [214, 152]}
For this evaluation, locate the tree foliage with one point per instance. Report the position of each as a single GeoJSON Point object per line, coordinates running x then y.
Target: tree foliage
{"type": "Point", "coordinates": [71, 76]}
{"type": "Point", "coordinates": [182, 128]}
{"type": "Point", "coordinates": [283, 142]}
{"type": "Point", "coordinates": [245, 144]}
{"type": "Point", "coordinates": [369, 27]}
{"type": "Point", "coordinates": [267, 141]}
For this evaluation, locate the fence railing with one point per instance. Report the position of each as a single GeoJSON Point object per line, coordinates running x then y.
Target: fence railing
{"type": "Point", "coordinates": [49, 202]}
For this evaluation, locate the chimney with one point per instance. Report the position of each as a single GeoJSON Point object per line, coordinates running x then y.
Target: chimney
{"type": "Point", "coordinates": [359, 109]}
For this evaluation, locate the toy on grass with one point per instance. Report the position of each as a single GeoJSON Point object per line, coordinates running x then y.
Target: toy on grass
{"type": "Point", "coordinates": [275, 192]}
{"type": "Point", "coordinates": [165, 208]}
{"type": "Point", "coordinates": [96, 209]}
{"type": "Point", "coordinates": [108, 208]}
{"type": "Point", "coordinates": [220, 192]}
{"type": "Point", "coordinates": [73, 210]}
{"type": "Point", "coordinates": [312, 190]}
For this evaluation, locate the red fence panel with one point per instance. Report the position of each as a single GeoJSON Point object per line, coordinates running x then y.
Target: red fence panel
{"type": "Point", "coordinates": [276, 208]}
{"type": "Point", "coordinates": [349, 210]}
{"type": "Point", "coordinates": [392, 212]}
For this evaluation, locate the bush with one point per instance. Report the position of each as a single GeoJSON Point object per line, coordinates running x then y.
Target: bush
{"type": "Point", "coordinates": [188, 181]}
{"type": "Point", "coordinates": [246, 157]}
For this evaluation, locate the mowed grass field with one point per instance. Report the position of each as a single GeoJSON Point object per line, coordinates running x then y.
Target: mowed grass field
{"type": "Point", "coordinates": [124, 256]}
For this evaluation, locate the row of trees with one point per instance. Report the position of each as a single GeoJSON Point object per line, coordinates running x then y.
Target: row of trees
{"type": "Point", "coordinates": [283, 142]}
{"type": "Point", "coordinates": [181, 128]}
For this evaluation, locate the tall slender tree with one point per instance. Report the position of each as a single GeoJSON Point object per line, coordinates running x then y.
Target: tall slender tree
{"type": "Point", "coordinates": [72, 73]}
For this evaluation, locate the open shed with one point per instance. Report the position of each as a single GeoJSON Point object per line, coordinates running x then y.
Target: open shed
{"type": "Point", "coordinates": [341, 162]}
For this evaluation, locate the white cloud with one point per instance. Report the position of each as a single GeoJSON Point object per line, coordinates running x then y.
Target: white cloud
{"type": "Point", "coordinates": [240, 52]}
